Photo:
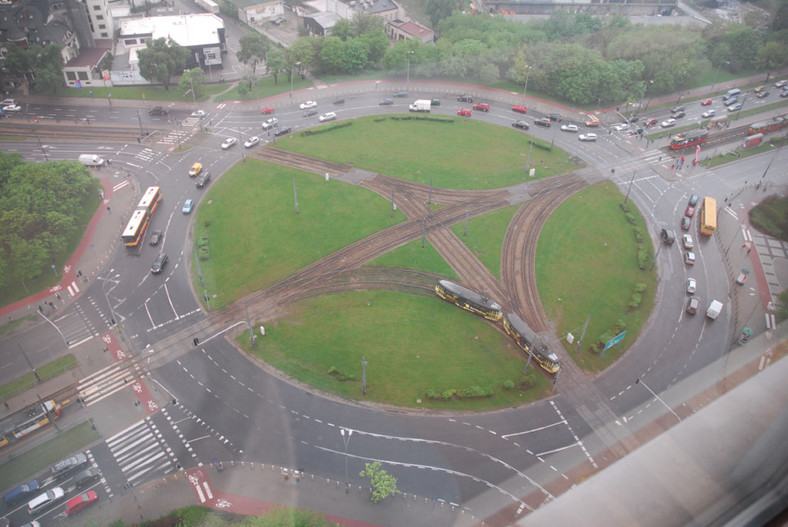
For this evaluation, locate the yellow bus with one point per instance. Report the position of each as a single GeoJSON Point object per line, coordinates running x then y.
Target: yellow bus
{"type": "Point", "coordinates": [708, 216]}
{"type": "Point", "coordinates": [140, 218]}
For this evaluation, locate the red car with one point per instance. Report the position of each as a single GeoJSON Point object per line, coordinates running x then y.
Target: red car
{"type": "Point", "coordinates": [466, 112]}
{"type": "Point", "coordinates": [80, 502]}
{"type": "Point", "coordinates": [705, 102]}
{"type": "Point", "coordinates": [482, 106]}
{"type": "Point", "coordinates": [267, 109]}
{"type": "Point", "coordinates": [519, 108]}
{"type": "Point", "coordinates": [650, 121]}
{"type": "Point", "coordinates": [690, 212]}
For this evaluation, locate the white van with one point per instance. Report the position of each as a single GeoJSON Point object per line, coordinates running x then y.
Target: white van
{"type": "Point", "coordinates": [91, 160]}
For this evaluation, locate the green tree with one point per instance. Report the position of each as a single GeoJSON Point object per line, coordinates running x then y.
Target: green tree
{"type": "Point", "coordinates": [192, 79]}
{"type": "Point", "coordinates": [254, 49]}
{"type": "Point", "coordinates": [228, 9]}
{"type": "Point", "coordinates": [383, 483]}
{"type": "Point", "coordinates": [275, 63]}
{"type": "Point", "coordinates": [162, 59]}
{"type": "Point", "coordinates": [771, 56]}
{"type": "Point", "coordinates": [304, 50]}
{"type": "Point", "coordinates": [437, 10]}
{"type": "Point", "coordinates": [341, 30]}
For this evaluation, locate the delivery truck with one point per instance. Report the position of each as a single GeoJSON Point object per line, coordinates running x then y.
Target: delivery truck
{"type": "Point", "coordinates": [715, 308]}
{"type": "Point", "coordinates": [91, 160]}
{"type": "Point", "coordinates": [421, 105]}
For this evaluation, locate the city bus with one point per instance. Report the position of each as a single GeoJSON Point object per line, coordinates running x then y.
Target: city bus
{"type": "Point", "coordinates": [140, 218]}
{"type": "Point", "coordinates": [708, 216]}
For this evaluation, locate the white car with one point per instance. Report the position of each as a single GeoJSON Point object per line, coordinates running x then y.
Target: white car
{"type": "Point", "coordinates": [587, 137]}
{"type": "Point", "coordinates": [687, 239]}
{"type": "Point", "coordinates": [780, 84]}
{"type": "Point", "coordinates": [230, 141]}
{"type": "Point", "coordinates": [12, 102]}
{"type": "Point", "coordinates": [330, 116]}
{"type": "Point", "coordinates": [692, 286]}
{"type": "Point", "coordinates": [198, 113]}
{"type": "Point", "coordinates": [270, 123]}
{"type": "Point", "coordinates": [621, 127]}
{"type": "Point", "coordinates": [569, 128]}
{"type": "Point", "coordinates": [252, 141]}
{"type": "Point", "coordinates": [12, 108]}
{"type": "Point", "coordinates": [668, 123]}
{"type": "Point", "coordinates": [708, 113]}
{"type": "Point", "coordinates": [307, 105]}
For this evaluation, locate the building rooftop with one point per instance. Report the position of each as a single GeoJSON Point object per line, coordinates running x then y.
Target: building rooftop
{"type": "Point", "coordinates": [187, 30]}
{"type": "Point", "coordinates": [91, 56]}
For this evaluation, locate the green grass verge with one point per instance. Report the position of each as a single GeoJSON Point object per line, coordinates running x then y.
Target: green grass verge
{"type": "Point", "coordinates": [411, 344]}
{"type": "Point", "coordinates": [255, 239]}
{"type": "Point", "coordinates": [266, 87]}
{"type": "Point", "coordinates": [24, 466]}
{"type": "Point", "coordinates": [459, 154]}
{"type": "Point", "coordinates": [586, 264]}
{"type": "Point", "coordinates": [47, 371]}
{"type": "Point", "coordinates": [145, 93]}
{"type": "Point", "coordinates": [485, 237]}
{"type": "Point", "coordinates": [413, 256]}
{"type": "Point", "coordinates": [739, 153]}
{"type": "Point", "coordinates": [770, 216]}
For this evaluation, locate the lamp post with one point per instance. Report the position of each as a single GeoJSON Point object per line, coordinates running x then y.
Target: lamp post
{"type": "Point", "coordinates": [291, 78]}
{"type": "Point", "coordinates": [716, 75]}
{"type": "Point", "coordinates": [643, 96]}
{"type": "Point", "coordinates": [408, 77]}
{"type": "Point", "coordinates": [346, 433]}
{"type": "Point", "coordinates": [525, 88]}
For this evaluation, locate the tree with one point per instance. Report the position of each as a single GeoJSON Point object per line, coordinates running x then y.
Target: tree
{"type": "Point", "coordinates": [275, 63]}
{"type": "Point", "coordinates": [228, 9]}
{"type": "Point", "coordinates": [437, 10]}
{"type": "Point", "coordinates": [304, 50]}
{"type": "Point", "coordinates": [254, 49]}
{"type": "Point", "coordinates": [162, 59]}
{"type": "Point", "coordinates": [771, 56]}
{"type": "Point", "coordinates": [383, 483]}
{"type": "Point", "coordinates": [193, 79]}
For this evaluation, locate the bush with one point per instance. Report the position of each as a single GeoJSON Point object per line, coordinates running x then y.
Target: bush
{"type": "Point", "coordinates": [474, 392]}
{"type": "Point", "coordinates": [338, 375]}
{"type": "Point", "coordinates": [640, 287]}
{"type": "Point", "coordinates": [243, 89]}
{"type": "Point", "coordinates": [448, 394]}
{"type": "Point", "coordinates": [634, 301]}
{"type": "Point", "coordinates": [642, 259]}
{"type": "Point", "coordinates": [337, 126]}
{"type": "Point", "coordinates": [508, 384]}
{"type": "Point", "coordinates": [433, 394]}
{"type": "Point", "coordinates": [203, 253]}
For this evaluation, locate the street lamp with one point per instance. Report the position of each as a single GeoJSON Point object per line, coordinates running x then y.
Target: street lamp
{"type": "Point", "coordinates": [643, 96]}
{"type": "Point", "coordinates": [716, 75]}
{"type": "Point", "coordinates": [409, 54]}
{"type": "Point", "coordinates": [525, 88]}
{"type": "Point", "coordinates": [346, 433]}
{"type": "Point", "coordinates": [291, 78]}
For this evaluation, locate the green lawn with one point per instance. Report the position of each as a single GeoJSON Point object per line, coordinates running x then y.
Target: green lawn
{"type": "Point", "coordinates": [47, 371]}
{"type": "Point", "coordinates": [413, 256]}
{"type": "Point", "coordinates": [485, 237]}
{"type": "Point", "coordinates": [586, 264]}
{"type": "Point", "coordinates": [411, 344]}
{"type": "Point", "coordinates": [458, 154]}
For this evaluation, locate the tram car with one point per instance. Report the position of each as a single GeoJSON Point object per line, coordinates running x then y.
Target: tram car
{"type": "Point", "coordinates": [691, 138]}
{"type": "Point", "coordinates": [772, 125]}
{"type": "Point", "coordinates": [752, 140]}
{"type": "Point", "coordinates": [469, 300]}
{"type": "Point", "coordinates": [35, 418]}
{"type": "Point", "coordinates": [531, 343]}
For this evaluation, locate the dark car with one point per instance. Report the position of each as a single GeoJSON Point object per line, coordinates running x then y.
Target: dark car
{"type": "Point", "coordinates": [204, 178]}
{"type": "Point", "coordinates": [283, 131]}
{"type": "Point", "coordinates": [679, 114]}
{"type": "Point", "coordinates": [156, 237]}
{"type": "Point", "coordinates": [465, 98]}
{"type": "Point", "coordinates": [436, 102]}
{"type": "Point", "coordinates": [677, 109]}
{"type": "Point", "coordinates": [68, 466]}
{"type": "Point", "coordinates": [556, 118]}
{"type": "Point", "coordinates": [159, 263]}
{"type": "Point", "coordinates": [686, 223]}
{"type": "Point", "coordinates": [401, 94]}
{"type": "Point", "coordinates": [668, 237]}
{"type": "Point", "coordinates": [339, 100]}
{"type": "Point", "coordinates": [386, 102]}
{"type": "Point", "coordinates": [21, 493]}
{"type": "Point", "coordinates": [762, 94]}
{"type": "Point", "coordinates": [693, 200]}
{"type": "Point", "coordinates": [87, 477]}
{"type": "Point", "coordinates": [310, 113]}
{"type": "Point", "coordinates": [692, 305]}
{"type": "Point", "coordinates": [158, 110]}
{"type": "Point", "coordinates": [521, 124]}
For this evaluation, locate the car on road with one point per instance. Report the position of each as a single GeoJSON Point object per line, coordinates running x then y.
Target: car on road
{"type": "Point", "coordinates": [338, 100]}
{"type": "Point", "coordinates": [687, 241]}
{"type": "Point", "coordinates": [9, 102]}
{"type": "Point", "coordinates": [283, 131]}
{"type": "Point", "coordinates": [678, 115]}
{"type": "Point", "coordinates": [587, 137]}
{"type": "Point", "coordinates": [330, 116]}
{"type": "Point", "coordinates": [690, 211]}
{"type": "Point", "coordinates": [677, 109]}
{"type": "Point", "coordinates": [735, 107]}
{"type": "Point", "coordinates": [621, 127]}
{"type": "Point", "coordinates": [692, 285]}
{"type": "Point", "coordinates": [521, 125]}
{"type": "Point", "coordinates": [693, 200]}
{"type": "Point", "coordinates": [708, 113]}
{"type": "Point", "coordinates": [689, 258]}
{"type": "Point", "coordinates": [188, 206]}
{"type": "Point", "coordinates": [155, 237]}
{"type": "Point", "coordinates": [519, 108]}
{"type": "Point", "coordinates": [780, 84]}
{"type": "Point", "coordinates": [760, 95]}
{"type": "Point", "coordinates": [692, 305]}
{"type": "Point", "coordinates": [465, 98]}
{"type": "Point", "coordinates": [543, 121]}
{"type": "Point", "coordinates": [252, 141]}
{"type": "Point", "coordinates": [230, 141]}
{"type": "Point", "coordinates": [667, 236]}
{"type": "Point", "coordinates": [556, 118]}
{"type": "Point", "coordinates": [386, 102]}
{"type": "Point", "coordinates": [648, 121]}
{"type": "Point", "coordinates": [45, 500]}
{"type": "Point", "coordinates": [481, 106]}
{"type": "Point", "coordinates": [78, 503]}
{"type": "Point", "coordinates": [202, 179]}
{"type": "Point", "coordinates": [310, 113]}
{"type": "Point", "coordinates": [401, 94]}
{"type": "Point", "coordinates": [12, 108]}
{"type": "Point", "coordinates": [686, 223]}
{"type": "Point", "coordinates": [667, 123]}
{"type": "Point", "coordinates": [198, 113]}
{"type": "Point", "coordinates": [307, 105]}
{"type": "Point", "coordinates": [21, 493]}
{"type": "Point", "coordinates": [784, 93]}
{"type": "Point", "coordinates": [266, 110]}
{"type": "Point", "coordinates": [270, 123]}
{"type": "Point", "coordinates": [465, 112]}
{"type": "Point", "coordinates": [569, 128]}
{"type": "Point", "coordinates": [195, 169]}
{"type": "Point", "coordinates": [87, 477]}
{"type": "Point", "coordinates": [759, 89]}
{"type": "Point", "coordinates": [66, 467]}
{"type": "Point", "coordinates": [706, 102]}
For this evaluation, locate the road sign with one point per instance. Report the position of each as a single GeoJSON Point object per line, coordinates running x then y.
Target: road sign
{"type": "Point", "coordinates": [615, 340]}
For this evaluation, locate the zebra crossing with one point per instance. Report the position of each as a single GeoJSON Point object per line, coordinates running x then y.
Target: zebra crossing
{"type": "Point", "coordinates": [141, 452]}
{"type": "Point", "coordinates": [107, 381]}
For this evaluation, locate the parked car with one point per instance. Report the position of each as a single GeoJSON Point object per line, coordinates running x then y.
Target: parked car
{"type": "Point", "coordinates": [161, 260]}
{"type": "Point", "coordinates": [465, 98]}
{"type": "Point", "coordinates": [80, 502]}
{"type": "Point", "coordinates": [519, 108]}
{"type": "Point", "coordinates": [543, 121]}
{"type": "Point", "coordinates": [706, 102]}
{"type": "Point", "coordinates": [310, 113]}
{"type": "Point", "coordinates": [252, 141]}
{"type": "Point", "coordinates": [158, 110]}
{"type": "Point", "coordinates": [689, 258]}
{"type": "Point", "coordinates": [21, 493]}
{"type": "Point", "coordinates": [330, 116]}
{"type": "Point", "coordinates": [188, 206]}
{"type": "Point", "coordinates": [587, 137]}
{"type": "Point", "coordinates": [569, 128]}
{"type": "Point", "coordinates": [521, 124]}
{"type": "Point", "coordinates": [230, 141]}
{"type": "Point", "coordinates": [45, 500]}
{"type": "Point", "coordinates": [686, 223]}
{"type": "Point", "coordinates": [692, 305]}
{"type": "Point", "coordinates": [87, 477]}
{"type": "Point", "coordinates": [401, 94]}
{"type": "Point", "coordinates": [465, 112]}
{"type": "Point", "coordinates": [708, 113]}
{"type": "Point", "coordinates": [270, 123]}
{"type": "Point", "coordinates": [338, 100]}
{"type": "Point", "coordinates": [203, 179]}
{"type": "Point", "coordinates": [66, 467]}
{"type": "Point", "coordinates": [481, 106]}
{"type": "Point", "coordinates": [386, 102]}
{"type": "Point", "coordinates": [307, 105]}
{"type": "Point", "coordinates": [554, 117]}
{"type": "Point", "coordinates": [687, 240]}
{"type": "Point", "coordinates": [667, 123]}
{"type": "Point", "coordinates": [155, 237]}
{"type": "Point", "coordinates": [266, 110]}
{"type": "Point", "coordinates": [283, 131]}
{"type": "Point", "coordinates": [195, 169]}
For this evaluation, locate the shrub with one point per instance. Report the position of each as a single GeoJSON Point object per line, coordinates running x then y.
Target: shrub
{"type": "Point", "coordinates": [338, 375]}
{"type": "Point", "coordinates": [243, 88]}
{"type": "Point", "coordinates": [634, 301]}
{"type": "Point", "coordinates": [642, 259]}
{"type": "Point", "coordinates": [448, 394]}
{"type": "Point", "coordinates": [203, 253]}
{"type": "Point", "coordinates": [508, 384]}
{"type": "Point", "coordinates": [433, 394]}
{"type": "Point", "coordinates": [474, 392]}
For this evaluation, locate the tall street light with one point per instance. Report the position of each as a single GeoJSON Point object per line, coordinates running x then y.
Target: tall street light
{"type": "Point", "coordinates": [525, 88]}
{"type": "Point", "coordinates": [291, 78]}
{"type": "Point", "coordinates": [346, 433]}
{"type": "Point", "coordinates": [409, 54]}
